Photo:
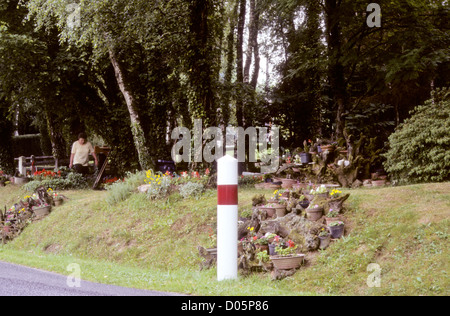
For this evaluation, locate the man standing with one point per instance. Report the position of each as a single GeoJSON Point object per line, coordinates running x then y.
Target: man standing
{"type": "Point", "coordinates": [79, 158]}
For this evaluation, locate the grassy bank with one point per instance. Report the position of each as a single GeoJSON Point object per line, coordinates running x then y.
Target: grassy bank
{"type": "Point", "coordinates": [153, 244]}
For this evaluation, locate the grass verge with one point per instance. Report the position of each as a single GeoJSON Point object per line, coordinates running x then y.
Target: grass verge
{"type": "Point", "coordinates": [152, 244]}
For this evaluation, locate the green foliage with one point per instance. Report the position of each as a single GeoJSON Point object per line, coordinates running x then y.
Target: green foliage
{"type": "Point", "coordinates": [159, 188]}
{"type": "Point", "coordinates": [72, 181]}
{"type": "Point", "coordinates": [192, 189]}
{"type": "Point", "coordinates": [420, 148]}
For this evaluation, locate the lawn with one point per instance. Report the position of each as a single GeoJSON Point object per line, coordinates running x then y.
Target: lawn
{"type": "Point", "coordinates": [153, 244]}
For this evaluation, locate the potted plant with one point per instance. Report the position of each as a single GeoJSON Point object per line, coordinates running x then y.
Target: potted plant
{"type": "Point", "coordinates": [272, 208]}
{"type": "Point", "coordinates": [303, 201]}
{"type": "Point", "coordinates": [41, 210]}
{"type": "Point", "coordinates": [314, 212]}
{"type": "Point", "coordinates": [277, 241]}
{"type": "Point", "coordinates": [325, 239]}
{"type": "Point", "coordinates": [336, 229]}
{"type": "Point", "coordinates": [335, 193]}
{"type": "Point", "coordinates": [262, 243]}
{"type": "Point", "coordinates": [320, 191]}
{"type": "Point", "coordinates": [57, 198]}
{"type": "Point", "coordinates": [287, 258]}
{"type": "Point", "coordinates": [332, 216]}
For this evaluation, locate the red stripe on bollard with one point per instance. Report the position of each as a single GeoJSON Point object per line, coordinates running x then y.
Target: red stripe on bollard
{"type": "Point", "coordinates": [227, 194]}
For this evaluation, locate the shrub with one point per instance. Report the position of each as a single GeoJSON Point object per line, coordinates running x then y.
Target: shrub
{"type": "Point", "coordinates": [118, 191]}
{"type": "Point", "coordinates": [159, 187]}
{"type": "Point", "coordinates": [72, 181]}
{"type": "Point", "coordinates": [420, 148]}
{"type": "Point", "coordinates": [192, 189]}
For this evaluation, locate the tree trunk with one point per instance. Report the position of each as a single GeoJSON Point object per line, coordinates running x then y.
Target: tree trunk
{"type": "Point", "coordinates": [230, 66]}
{"type": "Point", "coordinates": [239, 66]}
{"type": "Point", "coordinates": [254, 41]}
{"type": "Point", "coordinates": [143, 151]}
{"type": "Point", "coordinates": [335, 67]}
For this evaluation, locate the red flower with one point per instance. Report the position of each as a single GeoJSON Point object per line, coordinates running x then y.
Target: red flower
{"type": "Point", "coordinates": [291, 244]}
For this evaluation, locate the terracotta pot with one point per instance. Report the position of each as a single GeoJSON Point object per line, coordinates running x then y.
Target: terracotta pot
{"type": "Point", "coordinates": [287, 263]}
{"type": "Point", "coordinates": [330, 220]}
{"type": "Point", "coordinates": [314, 214]}
{"type": "Point", "coordinates": [263, 248]}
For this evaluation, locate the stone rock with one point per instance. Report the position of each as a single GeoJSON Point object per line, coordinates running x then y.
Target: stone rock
{"type": "Point", "coordinates": [144, 188]}
{"type": "Point", "coordinates": [356, 184]}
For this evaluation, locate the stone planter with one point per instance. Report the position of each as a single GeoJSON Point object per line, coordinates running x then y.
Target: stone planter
{"type": "Point", "coordinates": [41, 211]}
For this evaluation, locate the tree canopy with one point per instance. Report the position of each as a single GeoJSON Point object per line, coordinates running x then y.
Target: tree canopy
{"type": "Point", "coordinates": [129, 71]}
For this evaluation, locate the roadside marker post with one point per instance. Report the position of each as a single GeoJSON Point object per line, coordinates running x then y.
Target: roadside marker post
{"type": "Point", "coordinates": [227, 218]}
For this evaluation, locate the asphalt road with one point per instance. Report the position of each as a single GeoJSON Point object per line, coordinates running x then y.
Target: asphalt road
{"type": "Point", "coordinates": [16, 280]}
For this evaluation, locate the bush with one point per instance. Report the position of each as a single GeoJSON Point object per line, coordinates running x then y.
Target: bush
{"type": "Point", "coordinates": [192, 189]}
{"type": "Point", "coordinates": [159, 188]}
{"type": "Point", "coordinates": [118, 191]}
{"type": "Point", "coordinates": [420, 148]}
{"type": "Point", "coordinates": [72, 181]}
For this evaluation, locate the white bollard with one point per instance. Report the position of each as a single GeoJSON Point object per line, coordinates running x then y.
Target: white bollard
{"type": "Point", "coordinates": [227, 218]}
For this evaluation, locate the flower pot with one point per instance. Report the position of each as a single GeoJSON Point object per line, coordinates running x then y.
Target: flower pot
{"type": "Point", "coordinates": [330, 220]}
{"type": "Point", "coordinates": [280, 211]}
{"type": "Point", "coordinates": [263, 248]}
{"type": "Point", "coordinates": [41, 211]}
{"type": "Point", "coordinates": [336, 231]}
{"type": "Point", "coordinates": [314, 214]}
{"type": "Point", "coordinates": [304, 204]}
{"type": "Point", "coordinates": [58, 202]}
{"type": "Point", "coordinates": [324, 242]}
{"type": "Point", "coordinates": [272, 251]}
{"type": "Point", "coordinates": [287, 263]}
{"type": "Point", "coordinates": [305, 158]}
{"type": "Point", "coordinates": [322, 195]}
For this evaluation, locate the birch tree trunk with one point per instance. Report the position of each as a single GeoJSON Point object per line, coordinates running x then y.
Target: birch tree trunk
{"type": "Point", "coordinates": [239, 66]}
{"type": "Point", "coordinates": [143, 151]}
